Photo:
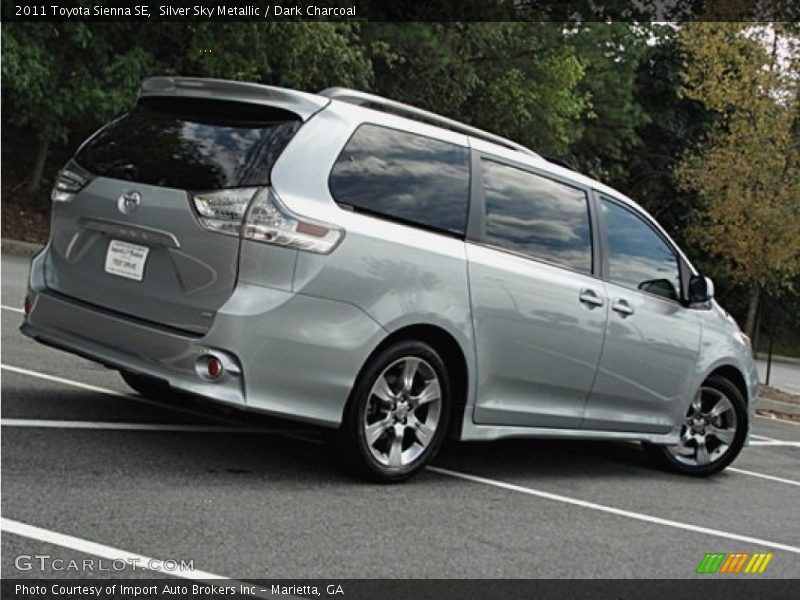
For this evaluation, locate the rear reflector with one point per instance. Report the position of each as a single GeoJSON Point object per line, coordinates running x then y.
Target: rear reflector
{"type": "Point", "coordinates": [214, 368]}
{"type": "Point", "coordinates": [209, 367]}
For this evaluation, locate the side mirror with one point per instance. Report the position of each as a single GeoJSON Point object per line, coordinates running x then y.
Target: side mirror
{"type": "Point", "coordinates": [660, 287]}
{"type": "Point", "coordinates": [701, 289]}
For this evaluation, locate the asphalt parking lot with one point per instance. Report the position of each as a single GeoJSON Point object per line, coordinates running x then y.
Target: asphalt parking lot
{"type": "Point", "coordinates": [90, 469]}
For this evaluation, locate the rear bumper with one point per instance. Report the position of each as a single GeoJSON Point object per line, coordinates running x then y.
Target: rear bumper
{"type": "Point", "coordinates": [286, 354]}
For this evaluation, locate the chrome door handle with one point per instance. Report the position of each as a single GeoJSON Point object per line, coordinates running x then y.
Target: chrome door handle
{"type": "Point", "coordinates": [622, 307]}
{"type": "Point", "coordinates": [590, 297]}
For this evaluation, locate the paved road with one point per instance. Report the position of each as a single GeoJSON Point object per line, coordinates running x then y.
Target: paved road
{"type": "Point", "coordinates": [783, 375]}
{"type": "Point", "coordinates": [173, 481]}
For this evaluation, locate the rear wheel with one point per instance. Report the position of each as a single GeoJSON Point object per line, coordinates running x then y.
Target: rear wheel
{"type": "Point", "coordinates": [712, 433]}
{"type": "Point", "coordinates": [398, 412]}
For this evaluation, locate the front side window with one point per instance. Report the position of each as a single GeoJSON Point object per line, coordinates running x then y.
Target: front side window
{"type": "Point", "coordinates": [637, 256]}
{"type": "Point", "coordinates": [536, 216]}
{"type": "Point", "coordinates": [405, 177]}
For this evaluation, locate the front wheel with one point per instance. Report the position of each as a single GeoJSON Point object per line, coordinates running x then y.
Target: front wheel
{"type": "Point", "coordinates": [712, 433]}
{"type": "Point", "coordinates": [398, 412]}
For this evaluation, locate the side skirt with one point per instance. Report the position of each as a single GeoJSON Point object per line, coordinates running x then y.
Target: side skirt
{"type": "Point", "coordinates": [472, 432]}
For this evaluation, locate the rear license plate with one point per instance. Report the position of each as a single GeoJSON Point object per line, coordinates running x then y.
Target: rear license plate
{"type": "Point", "coordinates": [126, 260]}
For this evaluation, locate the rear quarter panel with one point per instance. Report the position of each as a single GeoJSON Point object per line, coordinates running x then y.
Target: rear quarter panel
{"type": "Point", "coordinates": [398, 275]}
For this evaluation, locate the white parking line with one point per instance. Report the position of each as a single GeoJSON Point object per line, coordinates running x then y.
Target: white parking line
{"type": "Point", "coordinates": [12, 308]}
{"type": "Point", "coordinates": [59, 424]}
{"type": "Point", "coordinates": [614, 511]}
{"type": "Point", "coordinates": [176, 427]}
{"type": "Point", "coordinates": [237, 426]}
{"type": "Point", "coordinates": [763, 476]}
{"type": "Point", "coordinates": [774, 443]}
{"type": "Point", "coordinates": [763, 440]}
{"type": "Point", "coordinates": [117, 393]}
{"type": "Point", "coordinates": [95, 549]}
{"type": "Point", "coordinates": [139, 560]}
{"type": "Point", "coordinates": [78, 384]}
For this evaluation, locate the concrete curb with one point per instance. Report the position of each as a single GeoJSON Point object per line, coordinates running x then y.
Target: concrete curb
{"type": "Point", "coordinates": [791, 360]}
{"type": "Point", "coordinates": [787, 408]}
{"type": "Point", "coordinates": [19, 248]}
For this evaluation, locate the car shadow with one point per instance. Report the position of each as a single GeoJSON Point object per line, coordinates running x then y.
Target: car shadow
{"type": "Point", "coordinates": [558, 459]}
{"type": "Point", "coordinates": [281, 449]}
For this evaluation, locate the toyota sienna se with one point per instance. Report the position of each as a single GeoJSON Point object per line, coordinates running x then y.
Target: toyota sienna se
{"type": "Point", "coordinates": [361, 264]}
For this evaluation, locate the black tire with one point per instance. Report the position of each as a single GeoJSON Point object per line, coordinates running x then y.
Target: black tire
{"type": "Point", "coordinates": [666, 459]}
{"type": "Point", "coordinates": [363, 405]}
{"type": "Point", "coordinates": [146, 386]}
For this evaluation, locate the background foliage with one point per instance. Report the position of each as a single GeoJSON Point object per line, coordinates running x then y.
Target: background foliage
{"type": "Point", "coordinates": [690, 122]}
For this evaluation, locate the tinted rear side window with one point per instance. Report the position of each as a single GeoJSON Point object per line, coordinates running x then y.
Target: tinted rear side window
{"type": "Point", "coordinates": [536, 216]}
{"type": "Point", "coordinates": [191, 144]}
{"type": "Point", "coordinates": [404, 177]}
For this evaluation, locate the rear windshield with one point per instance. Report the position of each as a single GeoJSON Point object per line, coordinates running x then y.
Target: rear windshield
{"type": "Point", "coordinates": [191, 143]}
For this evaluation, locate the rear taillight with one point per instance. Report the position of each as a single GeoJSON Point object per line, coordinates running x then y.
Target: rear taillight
{"type": "Point", "coordinates": [258, 214]}
{"type": "Point", "coordinates": [70, 180]}
{"type": "Point", "coordinates": [223, 211]}
{"type": "Point", "coordinates": [268, 220]}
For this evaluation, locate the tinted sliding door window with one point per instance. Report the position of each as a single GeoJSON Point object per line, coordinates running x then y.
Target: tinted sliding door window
{"type": "Point", "coordinates": [637, 256]}
{"type": "Point", "coordinates": [537, 217]}
{"type": "Point", "coordinates": [404, 177]}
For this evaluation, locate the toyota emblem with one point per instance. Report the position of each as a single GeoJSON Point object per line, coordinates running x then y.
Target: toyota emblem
{"type": "Point", "coordinates": [129, 202]}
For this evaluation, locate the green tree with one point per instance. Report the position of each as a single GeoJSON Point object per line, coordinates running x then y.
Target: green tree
{"type": "Point", "coordinates": [63, 80]}
{"type": "Point", "coordinates": [610, 55]}
{"type": "Point", "coordinates": [514, 79]}
{"type": "Point", "coordinates": [747, 170]}
{"type": "Point", "coordinates": [307, 56]}
{"type": "Point", "coordinates": [59, 76]}
{"type": "Point", "coordinates": [673, 124]}
{"type": "Point", "coordinates": [530, 85]}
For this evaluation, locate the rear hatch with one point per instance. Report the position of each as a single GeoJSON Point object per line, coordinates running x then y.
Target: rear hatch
{"type": "Point", "coordinates": [126, 232]}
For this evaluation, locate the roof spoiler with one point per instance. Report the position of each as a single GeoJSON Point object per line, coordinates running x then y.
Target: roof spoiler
{"type": "Point", "coordinates": [302, 104]}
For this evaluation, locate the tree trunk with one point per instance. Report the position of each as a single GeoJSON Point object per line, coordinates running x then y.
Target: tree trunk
{"type": "Point", "coordinates": [38, 165]}
{"type": "Point", "coordinates": [752, 309]}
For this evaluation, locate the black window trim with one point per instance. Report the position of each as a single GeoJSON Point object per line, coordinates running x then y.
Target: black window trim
{"type": "Point", "coordinates": [602, 196]}
{"type": "Point", "coordinates": [398, 220]}
{"type": "Point", "coordinates": [476, 227]}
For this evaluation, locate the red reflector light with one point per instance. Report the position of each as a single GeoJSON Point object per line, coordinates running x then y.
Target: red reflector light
{"type": "Point", "coordinates": [28, 305]}
{"type": "Point", "coordinates": [214, 368]}
{"type": "Point", "coordinates": [312, 229]}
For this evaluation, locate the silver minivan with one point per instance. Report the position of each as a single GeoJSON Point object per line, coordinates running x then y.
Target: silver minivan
{"type": "Point", "coordinates": [361, 264]}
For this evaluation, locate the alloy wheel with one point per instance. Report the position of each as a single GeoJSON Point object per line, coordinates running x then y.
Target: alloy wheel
{"type": "Point", "coordinates": [708, 430]}
{"type": "Point", "coordinates": [402, 412]}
